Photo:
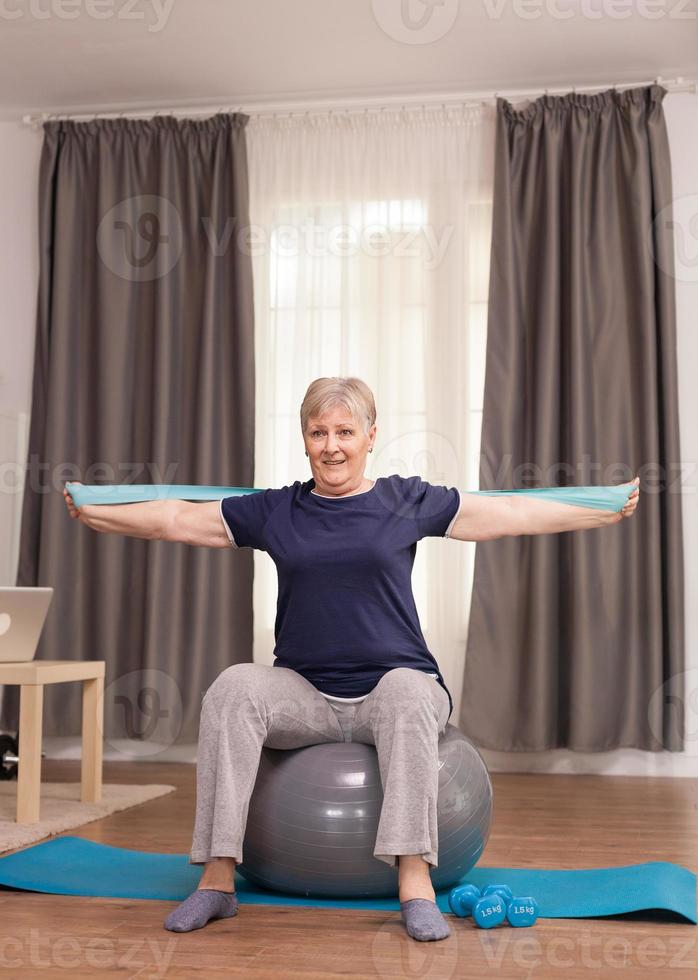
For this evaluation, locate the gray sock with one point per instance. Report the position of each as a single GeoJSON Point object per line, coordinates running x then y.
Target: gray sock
{"type": "Point", "coordinates": [200, 907]}
{"type": "Point", "coordinates": [423, 919]}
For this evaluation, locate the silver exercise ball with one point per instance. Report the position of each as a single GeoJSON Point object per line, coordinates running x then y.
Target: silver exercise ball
{"type": "Point", "coordinates": [313, 819]}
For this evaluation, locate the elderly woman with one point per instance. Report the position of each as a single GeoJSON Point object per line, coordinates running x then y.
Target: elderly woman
{"type": "Point", "coordinates": [351, 660]}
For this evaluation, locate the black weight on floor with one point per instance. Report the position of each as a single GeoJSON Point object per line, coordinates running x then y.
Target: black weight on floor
{"type": "Point", "coordinates": [8, 752]}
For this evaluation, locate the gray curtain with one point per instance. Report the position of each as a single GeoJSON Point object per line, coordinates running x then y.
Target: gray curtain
{"type": "Point", "coordinates": [576, 639]}
{"type": "Point", "coordinates": [144, 373]}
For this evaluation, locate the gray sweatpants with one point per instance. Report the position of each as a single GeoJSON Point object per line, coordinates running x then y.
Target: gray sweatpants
{"type": "Point", "coordinates": [250, 705]}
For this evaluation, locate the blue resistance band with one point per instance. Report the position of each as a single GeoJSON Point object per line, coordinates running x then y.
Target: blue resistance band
{"type": "Point", "coordinates": [600, 498]}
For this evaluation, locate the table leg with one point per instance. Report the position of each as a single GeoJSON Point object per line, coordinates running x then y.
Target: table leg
{"type": "Point", "coordinates": [31, 703]}
{"type": "Point", "coordinates": [92, 733]}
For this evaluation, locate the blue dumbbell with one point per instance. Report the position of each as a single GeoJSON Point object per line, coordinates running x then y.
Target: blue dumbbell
{"type": "Point", "coordinates": [503, 890]}
{"type": "Point", "coordinates": [522, 912]}
{"type": "Point", "coordinates": [489, 911]}
{"type": "Point", "coordinates": [462, 899]}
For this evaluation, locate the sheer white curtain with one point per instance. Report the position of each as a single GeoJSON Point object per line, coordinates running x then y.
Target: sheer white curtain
{"type": "Point", "coordinates": [370, 240]}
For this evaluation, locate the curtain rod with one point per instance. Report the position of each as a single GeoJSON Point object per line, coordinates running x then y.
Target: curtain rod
{"type": "Point", "coordinates": [261, 109]}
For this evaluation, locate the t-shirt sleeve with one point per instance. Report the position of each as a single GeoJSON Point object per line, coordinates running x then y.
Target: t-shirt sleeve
{"type": "Point", "coordinates": [245, 516]}
{"type": "Point", "coordinates": [434, 508]}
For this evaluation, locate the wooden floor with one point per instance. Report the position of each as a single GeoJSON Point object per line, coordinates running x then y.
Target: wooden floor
{"type": "Point", "coordinates": [540, 821]}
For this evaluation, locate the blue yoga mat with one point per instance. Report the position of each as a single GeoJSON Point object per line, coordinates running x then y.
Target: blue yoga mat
{"type": "Point", "coordinates": [600, 498]}
{"type": "Point", "coordinates": [73, 866]}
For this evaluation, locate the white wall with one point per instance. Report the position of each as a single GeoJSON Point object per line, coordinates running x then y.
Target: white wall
{"type": "Point", "coordinates": [20, 149]}
{"type": "Point", "coordinates": [19, 164]}
{"type": "Point", "coordinates": [682, 121]}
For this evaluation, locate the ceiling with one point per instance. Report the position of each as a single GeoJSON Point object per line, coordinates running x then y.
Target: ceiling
{"type": "Point", "coordinates": [59, 56]}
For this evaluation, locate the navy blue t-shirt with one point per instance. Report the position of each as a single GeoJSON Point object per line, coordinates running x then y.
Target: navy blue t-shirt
{"type": "Point", "coordinates": [345, 610]}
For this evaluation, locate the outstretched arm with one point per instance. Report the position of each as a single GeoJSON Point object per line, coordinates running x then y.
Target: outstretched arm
{"type": "Point", "coordinates": [485, 518]}
{"type": "Point", "coordinates": [160, 520]}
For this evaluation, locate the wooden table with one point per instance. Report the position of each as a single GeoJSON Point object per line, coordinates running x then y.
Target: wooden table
{"type": "Point", "coordinates": [32, 677]}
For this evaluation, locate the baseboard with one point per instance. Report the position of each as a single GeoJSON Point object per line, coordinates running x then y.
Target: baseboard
{"type": "Point", "coordinates": [621, 762]}
{"type": "Point", "coordinates": [119, 750]}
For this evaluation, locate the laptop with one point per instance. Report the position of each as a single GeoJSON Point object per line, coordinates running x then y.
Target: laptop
{"type": "Point", "coordinates": [22, 615]}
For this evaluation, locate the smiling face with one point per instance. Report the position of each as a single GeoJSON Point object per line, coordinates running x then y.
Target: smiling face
{"type": "Point", "coordinates": [337, 446]}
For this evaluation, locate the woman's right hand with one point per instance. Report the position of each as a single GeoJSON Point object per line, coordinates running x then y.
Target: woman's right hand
{"type": "Point", "coordinates": [70, 503]}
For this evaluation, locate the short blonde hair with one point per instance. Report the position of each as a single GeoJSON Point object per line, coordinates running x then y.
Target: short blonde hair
{"type": "Point", "coordinates": [352, 393]}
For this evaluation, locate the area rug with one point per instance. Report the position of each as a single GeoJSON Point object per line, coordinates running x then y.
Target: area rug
{"type": "Point", "coordinates": [62, 810]}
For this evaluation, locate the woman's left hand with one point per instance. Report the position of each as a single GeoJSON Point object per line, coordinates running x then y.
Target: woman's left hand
{"type": "Point", "coordinates": [630, 506]}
